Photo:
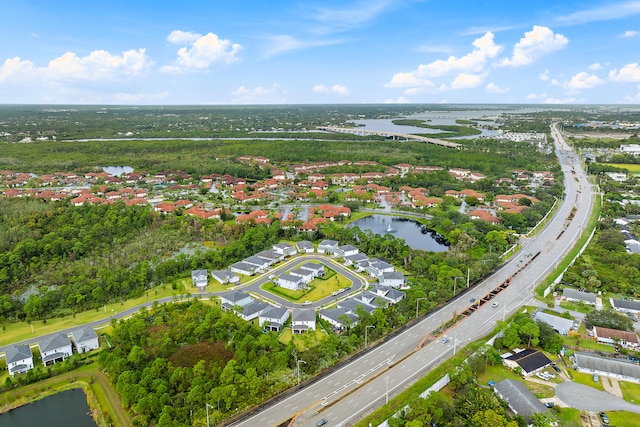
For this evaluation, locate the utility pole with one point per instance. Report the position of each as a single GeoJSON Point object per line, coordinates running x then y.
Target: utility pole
{"type": "Point", "coordinates": [207, 409]}
{"type": "Point", "coordinates": [298, 366]}
{"type": "Point", "coordinates": [365, 334]}
{"type": "Point", "coordinates": [417, 302]}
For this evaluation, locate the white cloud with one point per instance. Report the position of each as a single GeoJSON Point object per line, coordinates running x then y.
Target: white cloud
{"type": "Point", "coordinates": [259, 95]}
{"type": "Point", "coordinates": [583, 80]}
{"type": "Point", "coordinates": [99, 65]}
{"type": "Point", "coordinates": [400, 100]}
{"type": "Point", "coordinates": [537, 96]}
{"type": "Point", "coordinates": [494, 88]}
{"type": "Point", "coordinates": [606, 12]}
{"type": "Point", "coordinates": [201, 51]}
{"type": "Point", "coordinates": [560, 101]}
{"type": "Point", "coordinates": [337, 89]}
{"type": "Point", "coordinates": [16, 67]}
{"type": "Point", "coordinates": [595, 66]}
{"type": "Point", "coordinates": [137, 98]}
{"type": "Point", "coordinates": [35, 35]}
{"type": "Point", "coordinates": [535, 44]}
{"type": "Point", "coordinates": [465, 80]}
{"type": "Point", "coordinates": [544, 76]}
{"type": "Point", "coordinates": [182, 37]}
{"type": "Point", "coordinates": [473, 63]}
{"type": "Point", "coordinates": [629, 33]}
{"type": "Point", "coordinates": [352, 16]}
{"type": "Point", "coordinates": [633, 98]}
{"type": "Point", "coordinates": [407, 80]}
{"type": "Point", "coordinates": [285, 43]}
{"type": "Point", "coordinates": [628, 73]}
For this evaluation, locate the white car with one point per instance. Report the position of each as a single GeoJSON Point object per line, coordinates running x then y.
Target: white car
{"type": "Point", "coordinates": [306, 303]}
{"type": "Point", "coordinates": [495, 304]}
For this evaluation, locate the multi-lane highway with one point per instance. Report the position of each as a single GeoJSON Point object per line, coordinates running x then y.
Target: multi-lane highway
{"type": "Point", "coordinates": [354, 390]}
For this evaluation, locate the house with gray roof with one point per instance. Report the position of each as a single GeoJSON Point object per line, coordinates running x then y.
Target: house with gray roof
{"type": "Point", "coordinates": [271, 256]}
{"type": "Point", "coordinates": [338, 317]}
{"type": "Point", "coordinates": [306, 275]}
{"type": "Point", "coordinates": [346, 250]}
{"type": "Point", "coordinates": [305, 247]}
{"type": "Point", "coordinates": [273, 318]}
{"type": "Point", "coordinates": [621, 369]}
{"type": "Point", "coordinates": [261, 264]}
{"type": "Point", "coordinates": [315, 268]}
{"type": "Point", "coordinates": [252, 310]}
{"type": "Point", "coordinates": [286, 249]}
{"type": "Point", "coordinates": [225, 277]}
{"type": "Point", "coordinates": [574, 295]}
{"type": "Point", "coordinates": [520, 399]}
{"type": "Point", "coordinates": [85, 339]}
{"type": "Point", "coordinates": [200, 279]}
{"type": "Point", "coordinates": [352, 305]}
{"type": "Point", "coordinates": [233, 299]}
{"type": "Point", "coordinates": [392, 295]}
{"type": "Point", "coordinates": [625, 305]}
{"type": "Point", "coordinates": [355, 259]}
{"type": "Point", "coordinates": [393, 279]}
{"type": "Point", "coordinates": [19, 359]}
{"type": "Point", "coordinates": [559, 324]}
{"type": "Point", "coordinates": [55, 349]}
{"type": "Point", "coordinates": [290, 281]}
{"type": "Point", "coordinates": [371, 299]}
{"type": "Point", "coordinates": [302, 320]}
{"type": "Point", "coordinates": [327, 247]}
{"type": "Point", "coordinates": [377, 267]}
{"type": "Point", "coordinates": [241, 267]}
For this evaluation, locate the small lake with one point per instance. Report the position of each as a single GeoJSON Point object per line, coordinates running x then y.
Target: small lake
{"type": "Point", "coordinates": [65, 409]}
{"type": "Point", "coordinates": [414, 234]}
{"type": "Point", "coordinates": [117, 170]}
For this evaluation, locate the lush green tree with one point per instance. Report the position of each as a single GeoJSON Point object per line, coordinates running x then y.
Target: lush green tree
{"type": "Point", "coordinates": [609, 319]}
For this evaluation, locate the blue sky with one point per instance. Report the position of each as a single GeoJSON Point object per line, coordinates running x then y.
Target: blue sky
{"type": "Point", "coordinates": [311, 52]}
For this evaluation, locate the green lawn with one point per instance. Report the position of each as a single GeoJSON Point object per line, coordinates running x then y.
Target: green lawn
{"type": "Point", "coordinates": [630, 391]}
{"type": "Point", "coordinates": [586, 379]}
{"type": "Point", "coordinates": [586, 343]}
{"type": "Point", "coordinates": [633, 168]}
{"type": "Point", "coordinates": [568, 416]}
{"type": "Point", "coordinates": [622, 418]}
{"type": "Point", "coordinates": [14, 332]}
{"type": "Point", "coordinates": [582, 308]}
{"type": "Point", "coordinates": [304, 341]}
{"type": "Point", "coordinates": [317, 289]}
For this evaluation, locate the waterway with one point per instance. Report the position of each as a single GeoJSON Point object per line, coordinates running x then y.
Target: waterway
{"type": "Point", "coordinates": [65, 409]}
{"type": "Point", "coordinates": [414, 234]}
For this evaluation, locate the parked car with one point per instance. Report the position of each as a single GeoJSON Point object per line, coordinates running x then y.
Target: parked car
{"type": "Point", "coordinates": [596, 377]}
{"type": "Point", "coordinates": [555, 368]}
{"type": "Point", "coordinates": [604, 417]}
{"type": "Point", "coordinates": [306, 303]}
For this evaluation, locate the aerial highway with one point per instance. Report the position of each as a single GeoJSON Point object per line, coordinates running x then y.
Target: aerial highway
{"type": "Point", "coordinates": [345, 395]}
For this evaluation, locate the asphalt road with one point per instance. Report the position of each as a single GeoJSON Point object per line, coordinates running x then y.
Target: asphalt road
{"type": "Point", "coordinates": [347, 394]}
{"type": "Point", "coordinates": [587, 398]}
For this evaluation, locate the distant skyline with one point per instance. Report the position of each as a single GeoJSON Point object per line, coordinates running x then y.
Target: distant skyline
{"type": "Point", "coordinates": [319, 52]}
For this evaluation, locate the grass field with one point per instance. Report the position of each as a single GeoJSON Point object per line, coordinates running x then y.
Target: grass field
{"type": "Point", "coordinates": [317, 289]}
{"type": "Point", "coordinates": [304, 341]}
{"type": "Point", "coordinates": [14, 332]}
{"type": "Point", "coordinates": [633, 168]}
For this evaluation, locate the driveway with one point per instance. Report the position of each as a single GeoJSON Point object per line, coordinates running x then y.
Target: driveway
{"type": "Point", "coordinates": [587, 398]}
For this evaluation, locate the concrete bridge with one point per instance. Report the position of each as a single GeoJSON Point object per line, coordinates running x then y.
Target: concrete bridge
{"type": "Point", "coordinates": [394, 135]}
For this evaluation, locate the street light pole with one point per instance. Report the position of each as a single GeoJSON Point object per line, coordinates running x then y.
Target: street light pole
{"type": "Point", "coordinates": [207, 409]}
{"type": "Point", "coordinates": [365, 333]}
{"type": "Point", "coordinates": [387, 398]}
{"type": "Point", "coordinates": [298, 366]}
{"type": "Point", "coordinates": [418, 302]}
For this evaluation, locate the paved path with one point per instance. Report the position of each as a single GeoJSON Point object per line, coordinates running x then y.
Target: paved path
{"type": "Point", "coordinates": [611, 386]}
{"type": "Point", "coordinates": [586, 398]}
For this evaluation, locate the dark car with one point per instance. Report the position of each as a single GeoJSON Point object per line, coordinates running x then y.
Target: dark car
{"type": "Point", "coordinates": [604, 417]}
{"type": "Point", "coordinates": [556, 368]}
